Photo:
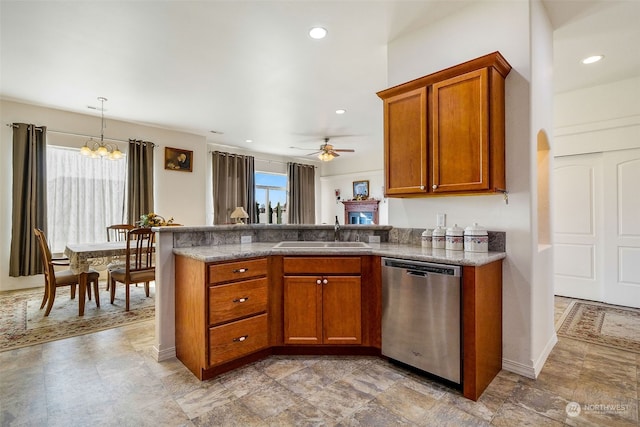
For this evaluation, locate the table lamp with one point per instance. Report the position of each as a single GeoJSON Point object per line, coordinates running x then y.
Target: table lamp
{"type": "Point", "coordinates": [239, 214]}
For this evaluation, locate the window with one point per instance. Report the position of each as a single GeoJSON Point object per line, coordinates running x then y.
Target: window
{"type": "Point", "coordinates": [84, 195]}
{"type": "Point", "coordinates": [271, 192]}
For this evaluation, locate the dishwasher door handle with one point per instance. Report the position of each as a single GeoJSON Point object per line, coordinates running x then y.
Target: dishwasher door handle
{"type": "Point", "coordinates": [417, 273]}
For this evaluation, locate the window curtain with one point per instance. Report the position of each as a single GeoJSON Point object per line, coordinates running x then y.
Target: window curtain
{"type": "Point", "coordinates": [234, 185]}
{"type": "Point", "coordinates": [29, 209]}
{"type": "Point", "coordinates": [84, 196]}
{"type": "Point", "coordinates": [139, 179]}
{"type": "Point", "coordinates": [302, 193]}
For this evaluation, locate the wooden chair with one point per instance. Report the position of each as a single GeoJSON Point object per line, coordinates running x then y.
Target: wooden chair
{"type": "Point", "coordinates": [139, 265]}
{"type": "Point", "coordinates": [54, 279]}
{"type": "Point", "coordinates": [116, 233]}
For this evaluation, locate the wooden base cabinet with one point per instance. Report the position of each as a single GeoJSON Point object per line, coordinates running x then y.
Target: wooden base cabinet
{"type": "Point", "coordinates": [481, 327]}
{"type": "Point", "coordinates": [322, 300]}
{"type": "Point", "coordinates": [221, 312]}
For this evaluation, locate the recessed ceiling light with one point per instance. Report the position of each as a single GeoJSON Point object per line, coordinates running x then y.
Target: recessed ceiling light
{"type": "Point", "coordinates": [248, 140]}
{"type": "Point", "coordinates": [318, 33]}
{"type": "Point", "coordinates": [592, 59]}
{"type": "Point", "coordinates": [341, 111]}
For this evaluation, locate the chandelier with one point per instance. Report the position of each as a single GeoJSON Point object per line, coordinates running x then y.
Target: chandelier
{"type": "Point", "coordinates": [95, 149]}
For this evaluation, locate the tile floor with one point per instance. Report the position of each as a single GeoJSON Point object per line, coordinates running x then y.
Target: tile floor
{"type": "Point", "coordinates": [110, 378]}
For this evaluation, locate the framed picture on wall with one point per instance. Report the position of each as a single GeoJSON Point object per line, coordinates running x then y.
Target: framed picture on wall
{"type": "Point", "coordinates": [178, 160]}
{"type": "Point", "coordinates": [360, 190]}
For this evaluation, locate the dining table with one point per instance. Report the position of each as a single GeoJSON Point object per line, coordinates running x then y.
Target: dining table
{"type": "Point", "coordinates": [83, 256]}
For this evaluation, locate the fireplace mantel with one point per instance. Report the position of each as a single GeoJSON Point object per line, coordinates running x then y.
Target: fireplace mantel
{"type": "Point", "coordinates": [361, 211]}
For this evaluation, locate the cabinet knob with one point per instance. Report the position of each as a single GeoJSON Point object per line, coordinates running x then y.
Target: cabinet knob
{"type": "Point", "coordinates": [241, 270]}
{"type": "Point", "coordinates": [241, 299]}
{"type": "Point", "coordinates": [318, 282]}
{"type": "Point", "coordinates": [422, 187]}
{"type": "Point", "coordinates": [240, 339]}
{"type": "Point", "coordinates": [325, 281]}
{"type": "Point", "coordinates": [434, 186]}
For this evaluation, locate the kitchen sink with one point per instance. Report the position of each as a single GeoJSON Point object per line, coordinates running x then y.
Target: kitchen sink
{"type": "Point", "coordinates": [320, 245]}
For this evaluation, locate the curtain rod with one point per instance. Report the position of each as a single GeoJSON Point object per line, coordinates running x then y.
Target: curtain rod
{"type": "Point", "coordinates": [257, 158]}
{"type": "Point", "coordinates": [60, 132]}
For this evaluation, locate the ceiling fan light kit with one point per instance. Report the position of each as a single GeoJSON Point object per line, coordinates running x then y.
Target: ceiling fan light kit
{"type": "Point", "coordinates": [327, 151]}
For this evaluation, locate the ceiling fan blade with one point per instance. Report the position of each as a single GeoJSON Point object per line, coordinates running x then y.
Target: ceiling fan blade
{"type": "Point", "coordinates": [345, 150]}
{"type": "Point", "coordinates": [314, 153]}
{"type": "Point", "coordinates": [300, 148]}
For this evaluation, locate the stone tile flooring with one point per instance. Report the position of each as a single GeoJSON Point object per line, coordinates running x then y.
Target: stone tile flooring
{"type": "Point", "coordinates": [110, 378]}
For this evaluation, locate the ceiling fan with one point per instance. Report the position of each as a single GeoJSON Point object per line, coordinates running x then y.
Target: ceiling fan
{"type": "Point", "coordinates": [327, 151]}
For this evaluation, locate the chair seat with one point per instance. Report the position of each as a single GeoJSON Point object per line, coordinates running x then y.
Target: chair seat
{"type": "Point", "coordinates": [119, 275]}
{"type": "Point", "coordinates": [116, 264]}
{"type": "Point", "coordinates": [68, 277]}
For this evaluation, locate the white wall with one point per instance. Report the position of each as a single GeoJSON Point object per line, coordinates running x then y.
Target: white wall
{"type": "Point", "coordinates": [483, 28]}
{"type": "Point", "coordinates": [178, 194]}
{"type": "Point", "coordinates": [599, 118]}
{"type": "Point", "coordinates": [543, 336]}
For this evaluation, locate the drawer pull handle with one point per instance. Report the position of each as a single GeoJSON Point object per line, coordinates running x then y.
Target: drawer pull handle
{"type": "Point", "coordinates": [240, 339]}
{"type": "Point", "coordinates": [241, 270]}
{"type": "Point", "coordinates": [241, 299]}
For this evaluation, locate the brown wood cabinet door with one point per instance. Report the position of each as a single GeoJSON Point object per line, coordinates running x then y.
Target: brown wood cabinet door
{"type": "Point", "coordinates": [302, 310]}
{"type": "Point", "coordinates": [405, 143]}
{"type": "Point", "coordinates": [460, 133]}
{"type": "Point", "coordinates": [341, 310]}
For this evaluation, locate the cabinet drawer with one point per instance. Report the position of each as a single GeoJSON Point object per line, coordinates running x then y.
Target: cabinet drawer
{"type": "Point", "coordinates": [235, 300]}
{"type": "Point", "coordinates": [321, 265]}
{"type": "Point", "coordinates": [239, 270]}
{"type": "Point", "coordinates": [236, 339]}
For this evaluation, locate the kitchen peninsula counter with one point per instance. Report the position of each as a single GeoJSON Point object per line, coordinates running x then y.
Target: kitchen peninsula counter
{"type": "Point", "coordinates": [221, 243]}
{"type": "Point", "coordinates": [217, 253]}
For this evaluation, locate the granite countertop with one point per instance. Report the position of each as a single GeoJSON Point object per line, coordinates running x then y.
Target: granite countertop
{"type": "Point", "coordinates": [402, 251]}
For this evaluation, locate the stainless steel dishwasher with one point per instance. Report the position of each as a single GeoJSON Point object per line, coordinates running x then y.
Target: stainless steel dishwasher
{"type": "Point", "coordinates": [421, 316]}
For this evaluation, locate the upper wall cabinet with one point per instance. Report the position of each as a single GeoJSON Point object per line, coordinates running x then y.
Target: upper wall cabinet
{"type": "Point", "coordinates": [444, 133]}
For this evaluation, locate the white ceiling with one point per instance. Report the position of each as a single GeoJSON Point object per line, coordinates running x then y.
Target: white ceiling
{"type": "Point", "coordinates": [248, 68]}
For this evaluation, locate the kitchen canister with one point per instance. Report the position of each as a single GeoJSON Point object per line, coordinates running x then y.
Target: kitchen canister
{"type": "Point", "coordinates": [454, 238]}
{"type": "Point", "coordinates": [427, 238]}
{"type": "Point", "coordinates": [437, 237]}
{"type": "Point", "coordinates": [476, 239]}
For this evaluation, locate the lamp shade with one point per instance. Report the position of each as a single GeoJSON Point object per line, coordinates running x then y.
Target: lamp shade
{"type": "Point", "coordinates": [239, 214]}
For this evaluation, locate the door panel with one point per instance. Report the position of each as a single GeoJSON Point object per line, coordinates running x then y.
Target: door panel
{"type": "Point", "coordinates": [578, 226]}
{"type": "Point", "coordinates": [622, 227]}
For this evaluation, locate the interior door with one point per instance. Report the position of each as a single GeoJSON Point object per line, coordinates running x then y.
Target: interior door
{"type": "Point", "coordinates": [577, 225]}
{"type": "Point", "coordinates": [622, 227]}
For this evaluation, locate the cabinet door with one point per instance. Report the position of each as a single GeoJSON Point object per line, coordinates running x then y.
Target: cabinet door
{"type": "Point", "coordinates": [405, 143]}
{"type": "Point", "coordinates": [341, 310]}
{"type": "Point", "coordinates": [302, 310]}
{"type": "Point", "coordinates": [460, 133]}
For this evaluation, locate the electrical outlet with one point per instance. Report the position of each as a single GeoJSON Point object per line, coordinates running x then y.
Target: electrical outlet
{"type": "Point", "coordinates": [245, 239]}
{"type": "Point", "coordinates": [374, 239]}
{"type": "Point", "coordinates": [441, 219]}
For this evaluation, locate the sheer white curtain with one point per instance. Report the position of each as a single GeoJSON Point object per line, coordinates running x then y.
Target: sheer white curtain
{"type": "Point", "coordinates": [84, 196]}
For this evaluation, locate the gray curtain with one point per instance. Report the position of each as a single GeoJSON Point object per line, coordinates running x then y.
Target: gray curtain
{"type": "Point", "coordinates": [302, 193]}
{"type": "Point", "coordinates": [234, 185]}
{"type": "Point", "coordinates": [29, 198]}
{"type": "Point", "coordinates": [139, 179]}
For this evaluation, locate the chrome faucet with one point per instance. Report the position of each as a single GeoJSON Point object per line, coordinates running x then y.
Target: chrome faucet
{"type": "Point", "coordinates": [336, 230]}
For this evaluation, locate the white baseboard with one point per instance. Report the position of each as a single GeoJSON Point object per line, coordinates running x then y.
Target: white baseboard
{"type": "Point", "coordinates": [537, 366]}
{"type": "Point", "coordinates": [166, 354]}
{"type": "Point", "coordinates": [518, 368]}
{"type": "Point", "coordinates": [531, 371]}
